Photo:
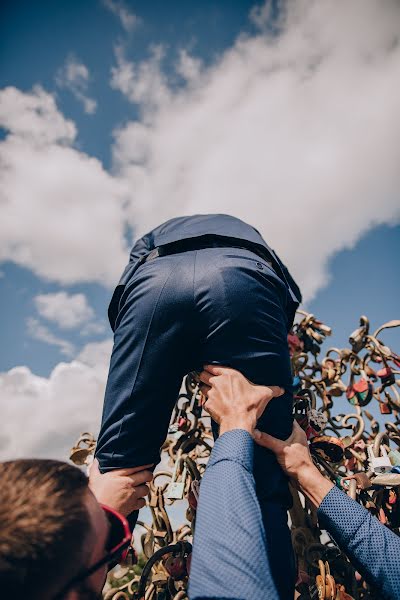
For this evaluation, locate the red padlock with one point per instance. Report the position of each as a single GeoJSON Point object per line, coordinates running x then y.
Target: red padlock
{"type": "Point", "coordinates": [176, 567]}
{"type": "Point", "coordinates": [386, 376]}
{"type": "Point", "coordinates": [360, 393]}
{"type": "Point", "coordinates": [182, 424]}
{"type": "Point", "coordinates": [295, 343]}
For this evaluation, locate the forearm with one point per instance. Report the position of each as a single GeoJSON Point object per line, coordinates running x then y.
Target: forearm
{"type": "Point", "coordinates": [372, 548]}
{"type": "Point", "coordinates": [229, 555]}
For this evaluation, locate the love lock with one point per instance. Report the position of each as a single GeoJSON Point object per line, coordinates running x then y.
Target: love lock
{"type": "Point", "coordinates": [301, 409]}
{"type": "Point", "coordinates": [193, 496]}
{"type": "Point", "coordinates": [295, 344]}
{"type": "Point", "coordinates": [317, 420]}
{"type": "Point", "coordinates": [358, 338]}
{"type": "Point", "coordinates": [325, 582]}
{"type": "Point", "coordinates": [387, 479]}
{"type": "Point", "coordinates": [386, 376]}
{"type": "Point", "coordinates": [385, 408]}
{"type": "Point", "coordinates": [176, 489]}
{"type": "Point", "coordinates": [361, 392]}
{"type": "Point", "coordinates": [329, 448]}
{"type": "Point", "coordinates": [378, 464]}
{"type": "Point", "coordinates": [394, 457]}
{"type": "Point", "coordinates": [176, 567]}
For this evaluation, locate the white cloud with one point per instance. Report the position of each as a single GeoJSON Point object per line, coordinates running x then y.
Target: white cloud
{"type": "Point", "coordinates": [297, 133]}
{"type": "Point", "coordinates": [96, 354]}
{"type": "Point", "coordinates": [67, 310]}
{"type": "Point", "coordinates": [144, 84]}
{"type": "Point", "coordinates": [75, 77]}
{"type": "Point", "coordinates": [129, 20]}
{"type": "Point", "coordinates": [34, 118]}
{"type": "Point", "coordinates": [62, 213]}
{"type": "Point", "coordinates": [58, 408]}
{"type": "Point", "coordinates": [40, 332]}
{"type": "Point", "coordinates": [93, 328]}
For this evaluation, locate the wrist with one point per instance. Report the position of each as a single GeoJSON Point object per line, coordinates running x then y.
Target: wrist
{"type": "Point", "coordinates": [313, 484]}
{"type": "Point", "coordinates": [245, 422]}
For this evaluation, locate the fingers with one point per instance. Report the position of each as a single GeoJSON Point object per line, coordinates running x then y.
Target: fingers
{"type": "Point", "coordinates": [141, 477]}
{"type": "Point", "coordinates": [141, 491]}
{"type": "Point", "coordinates": [140, 503]}
{"type": "Point", "coordinates": [215, 369]}
{"type": "Point", "coordinates": [133, 470]}
{"type": "Point", "coordinates": [267, 441]}
{"type": "Point", "coordinates": [206, 377]}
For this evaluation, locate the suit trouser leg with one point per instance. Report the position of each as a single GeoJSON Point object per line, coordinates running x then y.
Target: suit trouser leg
{"type": "Point", "coordinates": [151, 354]}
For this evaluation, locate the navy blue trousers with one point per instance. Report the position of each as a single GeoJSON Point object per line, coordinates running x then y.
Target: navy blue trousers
{"type": "Point", "coordinates": [179, 312]}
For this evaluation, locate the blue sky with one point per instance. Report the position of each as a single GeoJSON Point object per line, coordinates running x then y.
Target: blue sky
{"type": "Point", "coordinates": [189, 107]}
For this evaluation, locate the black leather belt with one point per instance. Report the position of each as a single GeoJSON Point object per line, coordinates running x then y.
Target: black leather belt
{"type": "Point", "coordinates": [203, 242]}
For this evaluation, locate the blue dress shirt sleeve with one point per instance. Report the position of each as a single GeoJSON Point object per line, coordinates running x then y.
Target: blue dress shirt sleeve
{"type": "Point", "coordinates": [372, 548]}
{"type": "Point", "coordinates": [229, 556]}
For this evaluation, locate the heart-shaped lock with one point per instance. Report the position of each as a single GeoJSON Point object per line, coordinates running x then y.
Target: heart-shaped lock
{"type": "Point", "coordinates": [360, 393]}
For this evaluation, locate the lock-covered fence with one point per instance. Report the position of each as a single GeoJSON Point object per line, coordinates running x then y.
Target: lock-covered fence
{"type": "Point", "coordinates": [358, 450]}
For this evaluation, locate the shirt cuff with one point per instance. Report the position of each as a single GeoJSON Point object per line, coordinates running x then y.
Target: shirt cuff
{"type": "Point", "coordinates": [236, 445]}
{"type": "Point", "coordinates": [335, 508]}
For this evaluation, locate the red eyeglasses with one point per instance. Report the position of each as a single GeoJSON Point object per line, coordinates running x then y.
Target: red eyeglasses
{"type": "Point", "coordinates": [117, 547]}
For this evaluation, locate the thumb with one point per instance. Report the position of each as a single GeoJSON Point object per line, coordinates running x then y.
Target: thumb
{"type": "Point", "coordinates": [277, 391]}
{"type": "Point", "coordinates": [267, 441]}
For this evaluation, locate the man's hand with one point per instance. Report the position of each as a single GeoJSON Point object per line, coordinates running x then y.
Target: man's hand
{"type": "Point", "coordinates": [122, 489]}
{"type": "Point", "coordinates": [294, 457]}
{"type": "Point", "coordinates": [232, 400]}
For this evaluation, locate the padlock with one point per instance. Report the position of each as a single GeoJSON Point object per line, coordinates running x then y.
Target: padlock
{"type": "Point", "coordinates": [329, 448]}
{"type": "Point", "coordinates": [301, 408]}
{"type": "Point", "coordinates": [385, 408]}
{"type": "Point", "coordinates": [386, 376]}
{"type": "Point", "coordinates": [294, 343]}
{"type": "Point", "coordinates": [296, 384]}
{"type": "Point", "coordinates": [317, 420]}
{"type": "Point", "coordinates": [325, 582]}
{"type": "Point", "coordinates": [394, 457]}
{"type": "Point", "coordinates": [358, 338]}
{"type": "Point", "coordinates": [387, 479]}
{"type": "Point", "coordinates": [193, 496]}
{"type": "Point", "coordinates": [175, 489]}
{"type": "Point", "coordinates": [176, 567]}
{"type": "Point", "coordinates": [361, 392]}
{"type": "Point", "coordinates": [183, 424]}
{"type": "Point", "coordinates": [378, 464]}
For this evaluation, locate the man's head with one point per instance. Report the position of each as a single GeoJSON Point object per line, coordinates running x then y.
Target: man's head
{"type": "Point", "coordinates": [51, 529]}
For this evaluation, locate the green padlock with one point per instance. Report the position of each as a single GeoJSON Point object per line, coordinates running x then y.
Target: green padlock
{"type": "Point", "coordinates": [394, 457]}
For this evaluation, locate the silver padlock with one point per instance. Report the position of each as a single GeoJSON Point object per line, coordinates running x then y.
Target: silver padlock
{"type": "Point", "coordinates": [175, 489]}
{"type": "Point", "coordinates": [379, 464]}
